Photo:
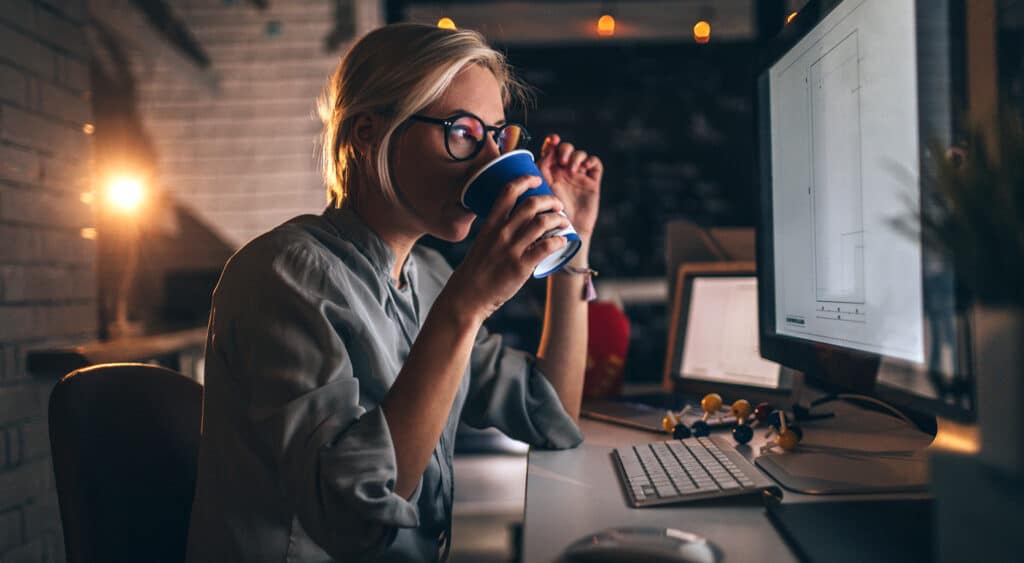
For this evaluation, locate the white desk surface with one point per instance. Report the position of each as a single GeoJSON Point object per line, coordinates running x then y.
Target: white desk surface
{"type": "Point", "coordinates": [571, 493]}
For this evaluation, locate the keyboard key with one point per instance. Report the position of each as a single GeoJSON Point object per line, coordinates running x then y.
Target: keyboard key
{"type": "Point", "coordinates": [666, 490]}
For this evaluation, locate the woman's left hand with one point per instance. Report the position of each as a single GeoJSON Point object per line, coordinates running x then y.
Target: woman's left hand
{"type": "Point", "coordinates": [575, 177]}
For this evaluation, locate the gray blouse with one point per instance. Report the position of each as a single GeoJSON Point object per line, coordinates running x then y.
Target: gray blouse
{"type": "Point", "coordinates": [307, 333]}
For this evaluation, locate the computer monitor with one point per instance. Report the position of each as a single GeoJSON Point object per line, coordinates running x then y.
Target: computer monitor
{"type": "Point", "coordinates": [713, 336]}
{"type": "Point", "coordinates": [728, 353]}
{"type": "Point", "coordinates": [852, 97]}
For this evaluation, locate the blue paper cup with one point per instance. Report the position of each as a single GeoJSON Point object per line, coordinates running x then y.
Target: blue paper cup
{"type": "Point", "coordinates": [485, 186]}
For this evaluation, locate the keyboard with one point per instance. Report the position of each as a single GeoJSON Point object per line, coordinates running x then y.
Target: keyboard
{"type": "Point", "coordinates": [687, 470]}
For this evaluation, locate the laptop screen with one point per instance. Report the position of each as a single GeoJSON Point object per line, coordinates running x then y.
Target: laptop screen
{"type": "Point", "coordinates": [721, 342]}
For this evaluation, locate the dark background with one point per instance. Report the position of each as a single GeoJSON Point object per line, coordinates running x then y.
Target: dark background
{"type": "Point", "coordinates": [673, 124]}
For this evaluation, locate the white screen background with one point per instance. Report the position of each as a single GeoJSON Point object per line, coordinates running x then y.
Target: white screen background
{"type": "Point", "coordinates": [844, 149]}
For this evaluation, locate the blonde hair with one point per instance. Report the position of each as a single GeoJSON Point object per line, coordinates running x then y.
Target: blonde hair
{"type": "Point", "coordinates": [394, 72]}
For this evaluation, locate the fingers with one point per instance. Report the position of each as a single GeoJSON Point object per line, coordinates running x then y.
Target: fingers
{"type": "Point", "coordinates": [530, 207]}
{"type": "Point", "coordinates": [565, 154]}
{"type": "Point", "coordinates": [547, 155]}
{"type": "Point", "coordinates": [537, 227]}
{"type": "Point", "coordinates": [594, 167]}
{"type": "Point", "coordinates": [550, 142]}
{"type": "Point", "coordinates": [564, 151]}
{"type": "Point", "coordinates": [576, 160]}
{"type": "Point", "coordinates": [507, 199]}
{"type": "Point", "coordinates": [541, 249]}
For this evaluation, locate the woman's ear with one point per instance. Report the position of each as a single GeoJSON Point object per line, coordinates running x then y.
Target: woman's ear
{"type": "Point", "coordinates": [365, 133]}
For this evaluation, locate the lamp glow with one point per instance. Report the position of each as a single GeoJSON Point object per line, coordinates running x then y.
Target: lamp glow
{"type": "Point", "coordinates": [702, 32]}
{"type": "Point", "coordinates": [446, 23]}
{"type": "Point", "coordinates": [606, 25]}
{"type": "Point", "coordinates": [125, 194]}
{"type": "Point", "coordinates": [790, 18]}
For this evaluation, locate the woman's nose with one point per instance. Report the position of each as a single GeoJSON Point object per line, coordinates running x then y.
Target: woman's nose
{"type": "Point", "coordinates": [491, 149]}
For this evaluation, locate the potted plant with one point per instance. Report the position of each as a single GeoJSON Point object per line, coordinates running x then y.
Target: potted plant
{"type": "Point", "coordinates": [974, 213]}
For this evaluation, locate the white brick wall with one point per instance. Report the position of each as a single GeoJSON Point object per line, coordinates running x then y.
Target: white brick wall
{"type": "Point", "coordinates": [47, 277]}
{"type": "Point", "coordinates": [243, 156]}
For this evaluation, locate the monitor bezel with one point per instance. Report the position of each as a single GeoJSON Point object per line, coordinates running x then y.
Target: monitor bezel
{"type": "Point", "coordinates": [832, 367]}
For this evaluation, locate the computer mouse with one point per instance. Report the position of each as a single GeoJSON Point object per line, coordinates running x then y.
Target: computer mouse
{"type": "Point", "coordinates": [641, 545]}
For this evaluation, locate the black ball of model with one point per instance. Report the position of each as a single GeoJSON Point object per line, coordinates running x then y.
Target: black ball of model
{"type": "Point", "coordinates": [680, 432]}
{"type": "Point", "coordinates": [701, 429]}
{"type": "Point", "coordinates": [742, 434]}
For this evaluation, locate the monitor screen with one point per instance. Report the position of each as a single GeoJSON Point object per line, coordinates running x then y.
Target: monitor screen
{"type": "Point", "coordinates": [844, 123]}
{"type": "Point", "coordinates": [725, 348]}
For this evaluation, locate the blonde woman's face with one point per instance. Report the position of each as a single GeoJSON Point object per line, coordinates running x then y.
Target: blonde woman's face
{"type": "Point", "coordinates": [426, 177]}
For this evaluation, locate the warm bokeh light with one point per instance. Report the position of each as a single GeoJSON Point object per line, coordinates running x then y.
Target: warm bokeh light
{"type": "Point", "coordinates": [87, 198]}
{"type": "Point", "coordinates": [88, 233]}
{"type": "Point", "coordinates": [446, 23]}
{"type": "Point", "coordinates": [702, 32]}
{"type": "Point", "coordinates": [88, 128]}
{"type": "Point", "coordinates": [606, 25]}
{"type": "Point", "coordinates": [125, 194]}
{"type": "Point", "coordinates": [790, 18]}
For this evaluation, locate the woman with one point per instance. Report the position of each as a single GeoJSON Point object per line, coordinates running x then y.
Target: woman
{"type": "Point", "coordinates": [341, 356]}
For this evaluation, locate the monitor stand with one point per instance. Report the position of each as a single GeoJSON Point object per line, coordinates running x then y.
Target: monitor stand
{"type": "Point", "coordinates": [856, 451]}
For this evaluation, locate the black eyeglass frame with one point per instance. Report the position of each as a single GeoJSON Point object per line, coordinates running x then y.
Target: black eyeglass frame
{"type": "Point", "coordinates": [448, 122]}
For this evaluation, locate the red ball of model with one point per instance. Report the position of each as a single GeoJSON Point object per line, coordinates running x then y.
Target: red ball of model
{"type": "Point", "coordinates": [763, 411]}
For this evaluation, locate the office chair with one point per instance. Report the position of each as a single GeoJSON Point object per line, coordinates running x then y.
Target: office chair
{"type": "Point", "coordinates": [125, 443]}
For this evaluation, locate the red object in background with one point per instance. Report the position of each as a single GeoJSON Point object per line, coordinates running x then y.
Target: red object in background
{"type": "Point", "coordinates": [608, 332]}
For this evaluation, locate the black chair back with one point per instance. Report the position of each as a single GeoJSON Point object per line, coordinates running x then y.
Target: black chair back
{"type": "Point", "coordinates": [125, 444]}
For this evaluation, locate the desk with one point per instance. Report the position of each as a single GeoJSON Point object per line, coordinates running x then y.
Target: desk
{"type": "Point", "coordinates": [571, 493]}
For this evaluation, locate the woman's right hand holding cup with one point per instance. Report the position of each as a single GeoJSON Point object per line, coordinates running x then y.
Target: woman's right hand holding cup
{"type": "Point", "coordinates": [507, 249]}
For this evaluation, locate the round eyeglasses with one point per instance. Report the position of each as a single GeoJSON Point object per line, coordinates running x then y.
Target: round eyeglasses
{"type": "Point", "coordinates": [465, 135]}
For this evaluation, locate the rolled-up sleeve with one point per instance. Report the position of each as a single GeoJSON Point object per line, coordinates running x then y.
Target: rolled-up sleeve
{"type": "Point", "coordinates": [509, 392]}
{"type": "Point", "coordinates": [286, 346]}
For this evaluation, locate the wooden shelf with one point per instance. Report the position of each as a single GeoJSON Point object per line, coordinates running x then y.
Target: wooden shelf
{"type": "Point", "coordinates": [165, 349]}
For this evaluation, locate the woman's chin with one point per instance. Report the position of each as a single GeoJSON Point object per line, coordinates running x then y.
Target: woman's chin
{"type": "Point", "coordinates": [456, 233]}
{"type": "Point", "coordinates": [458, 229]}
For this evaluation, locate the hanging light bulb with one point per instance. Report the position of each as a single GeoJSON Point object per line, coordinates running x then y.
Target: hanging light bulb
{"type": "Point", "coordinates": [606, 23]}
{"type": "Point", "coordinates": [790, 18]}
{"type": "Point", "coordinates": [446, 23]}
{"type": "Point", "coordinates": [702, 32]}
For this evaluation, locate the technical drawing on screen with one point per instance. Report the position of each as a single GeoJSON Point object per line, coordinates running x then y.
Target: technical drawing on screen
{"type": "Point", "coordinates": [833, 82]}
{"type": "Point", "coordinates": [844, 165]}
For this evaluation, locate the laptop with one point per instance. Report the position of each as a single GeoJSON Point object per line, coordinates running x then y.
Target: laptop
{"type": "Point", "coordinates": [712, 347]}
